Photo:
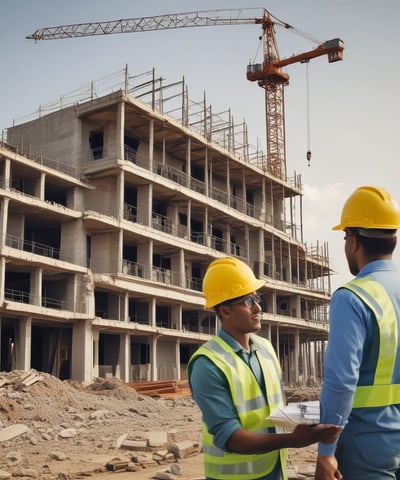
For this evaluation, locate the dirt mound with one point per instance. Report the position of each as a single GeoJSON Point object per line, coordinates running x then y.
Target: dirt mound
{"type": "Point", "coordinates": [69, 417]}
{"type": "Point", "coordinates": [83, 422]}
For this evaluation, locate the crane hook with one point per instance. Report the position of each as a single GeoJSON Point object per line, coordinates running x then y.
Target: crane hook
{"type": "Point", "coordinates": [308, 156]}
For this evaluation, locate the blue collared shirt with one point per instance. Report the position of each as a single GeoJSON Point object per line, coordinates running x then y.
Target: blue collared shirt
{"type": "Point", "coordinates": [351, 355]}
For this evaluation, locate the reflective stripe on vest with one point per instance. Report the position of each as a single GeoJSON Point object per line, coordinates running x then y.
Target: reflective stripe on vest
{"type": "Point", "coordinates": [382, 392]}
{"type": "Point", "coordinates": [251, 407]}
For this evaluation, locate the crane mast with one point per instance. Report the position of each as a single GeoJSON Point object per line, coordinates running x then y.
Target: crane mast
{"type": "Point", "coordinates": [273, 79]}
{"type": "Point", "coordinates": [269, 75]}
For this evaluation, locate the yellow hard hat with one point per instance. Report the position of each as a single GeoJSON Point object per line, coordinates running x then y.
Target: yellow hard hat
{"type": "Point", "coordinates": [370, 207]}
{"type": "Point", "coordinates": [228, 278]}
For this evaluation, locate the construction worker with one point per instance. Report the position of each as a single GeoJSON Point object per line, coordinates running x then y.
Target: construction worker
{"type": "Point", "coordinates": [361, 385]}
{"type": "Point", "coordinates": [235, 378]}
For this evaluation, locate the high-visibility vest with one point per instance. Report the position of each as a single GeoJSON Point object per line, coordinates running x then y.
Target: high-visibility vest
{"type": "Point", "coordinates": [382, 392]}
{"type": "Point", "coordinates": [251, 406]}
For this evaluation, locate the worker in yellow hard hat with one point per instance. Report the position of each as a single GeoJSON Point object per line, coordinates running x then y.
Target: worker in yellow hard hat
{"type": "Point", "coordinates": [361, 385]}
{"type": "Point", "coordinates": [235, 379]}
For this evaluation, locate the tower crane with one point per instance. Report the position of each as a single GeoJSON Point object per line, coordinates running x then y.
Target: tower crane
{"type": "Point", "coordinates": [269, 74]}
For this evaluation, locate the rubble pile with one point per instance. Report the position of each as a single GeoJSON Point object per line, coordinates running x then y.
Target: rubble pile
{"type": "Point", "coordinates": [45, 421]}
{"type": "Point", "coordinates": [62, 430]}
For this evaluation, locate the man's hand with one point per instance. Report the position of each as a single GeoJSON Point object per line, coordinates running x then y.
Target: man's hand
{"type": "Point", "coordinates": [304, 435]}
{"type": "Point", "coordinates": [327, 468]}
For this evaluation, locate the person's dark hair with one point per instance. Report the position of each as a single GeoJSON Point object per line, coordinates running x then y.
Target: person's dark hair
{"type": "Point", "coordinates": [375, 246]}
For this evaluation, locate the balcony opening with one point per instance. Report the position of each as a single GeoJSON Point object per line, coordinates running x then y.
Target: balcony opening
{"type": "Point", "coordinates": [96, 143]}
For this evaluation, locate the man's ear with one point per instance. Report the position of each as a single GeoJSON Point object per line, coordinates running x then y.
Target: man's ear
{"type": "Point", "coordinates": [223, 310]}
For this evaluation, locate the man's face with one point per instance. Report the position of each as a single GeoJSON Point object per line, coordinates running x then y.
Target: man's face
{"type": "Point", "coordinates": [243, 316]}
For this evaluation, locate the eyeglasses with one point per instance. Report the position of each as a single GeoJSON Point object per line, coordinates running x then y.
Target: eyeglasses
{"type": "Point", "coordinates": [248, 301]}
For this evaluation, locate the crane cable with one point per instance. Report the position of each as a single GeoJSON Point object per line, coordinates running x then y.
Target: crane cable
{"type": "Point", "coordinates": [257, 51]}
{"type": "Point", "coordinates": [308, 154]}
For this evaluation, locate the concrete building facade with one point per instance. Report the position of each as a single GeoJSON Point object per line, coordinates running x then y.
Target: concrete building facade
{"type": "Point", "coordinates": [112, 207]}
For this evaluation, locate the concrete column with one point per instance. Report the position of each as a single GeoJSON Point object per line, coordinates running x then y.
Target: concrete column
{"type": "Point", "coordinates": [82, 352]}
{"type": "Point", "coordinates": [189, 219]}
{"type": "Point", "coordinates": [2, 279]}
{"type": "Point", "coordinates": [173, 218]}
{"type": "Point", "coordinates": [73, 294]}
{"type": "Point", "coordinates": [144, 204]}
{"type": "Point", "coordinates": [247, 244]}
{"type": "Point", "coordinates": [151, 145]}
{"type": "Point", "coordinates": [41, 186]}
{"type": "Point", "coordinates": [207, 233]}
{"type": "Point", "coordinates": [306, 360]}
{"type": "Point", "coordinates": [96, 335]}
{"type": "Point", "coordinates": [75, 198]}
{"type": "Point", "coordinates": [260, 253]}
{"type": "Point", "coordinates": [125, 300]}
{"type": "Point", "coordinates": [244, 196]}
{"type": "Point", "coordinates": [23, 343]}
{"type": "Point", "coordinates": [188, 161]}
{"type": "Point", "coordinates": [178, 359]}
{"type": "Point", "coordinates": [296, 355]}
{"type": "Point", "coordinates": [153, 357]}
{"type": "Point", "coordinates": [277, 341]}
{"type": "Point", "coordinates": [227, 234]}
{"type": "Point", "coordinates": [298, 306]}
{"type": "Point", "coordinates": [182, 270]}
{"type": "Point", "coordinates": [269, 332]}
{"type": "Point", "coordinates": [206, 177]}
{"type": "Point", "coordinates": [7, 173]}
{"type": "Point", "coordinates": [263, 211]}
{"type": "Point", "coordinates": [36, 287]}
{"type": "Point", "coordinates": [152, 312]}
{"type": "Point", "coordinates": [312, 355]}
{"type": "Point", "coordinates": [228, 182]}
{"type": "Point", "coordinates": [120, 194]}
{"type": "Point", "coordinates": [121, 130]}
{"type": "Point", "coordinates": [274, 306]}
{"type": "Point", "coordinates": [124, 357]}
{"type": "Point", "coordinates": [289, 266]}
{"type": "Point", "coordinates": [3, 220]}
{"type": "Point", "coordinates": [119, 259]}
{"type": "Point", "coordinates": [73, 235]}
{"type": "Point", "coordinates": [176, 313]}
{"type": "Point", "coordinates": [217, 325]}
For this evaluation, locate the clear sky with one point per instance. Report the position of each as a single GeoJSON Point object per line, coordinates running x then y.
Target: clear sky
{"type": "Point", "coordinates": [354, 104]}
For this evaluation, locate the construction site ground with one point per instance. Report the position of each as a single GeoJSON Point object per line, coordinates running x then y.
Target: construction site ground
{"type": "Point", "coordinates": [61, 430]}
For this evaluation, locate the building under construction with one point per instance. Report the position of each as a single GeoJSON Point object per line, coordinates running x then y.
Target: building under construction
{"type": "Point", "coordinates": [112, 206]}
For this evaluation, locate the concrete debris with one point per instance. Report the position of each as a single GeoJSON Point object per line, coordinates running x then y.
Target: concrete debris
{"type": "Point", "coordinates": [62, 430]}
{"type": "Point", "coordinates": [165, 475]}
{"type": "Point", "coordinates": [117, 464]}
{"type": "Point", "coordinates": [29, 379]}
{"type": "Point", "coordinates": [171, 473]}
{"type": "Point", "coordinates": [176, 469]}
{"type": "Point", "coordinates": [12, 431]}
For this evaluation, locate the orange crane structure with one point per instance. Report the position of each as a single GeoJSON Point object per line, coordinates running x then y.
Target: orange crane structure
{"type": "Point", "coordinates": [269, 74]}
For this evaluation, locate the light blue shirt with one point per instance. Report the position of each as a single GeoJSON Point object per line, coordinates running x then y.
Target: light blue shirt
{"type": "Point", "coordinates": [351, 357]}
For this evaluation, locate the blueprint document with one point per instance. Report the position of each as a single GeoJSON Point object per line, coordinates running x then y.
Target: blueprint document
{"type": "Point", "coordinates": [294, 413]}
